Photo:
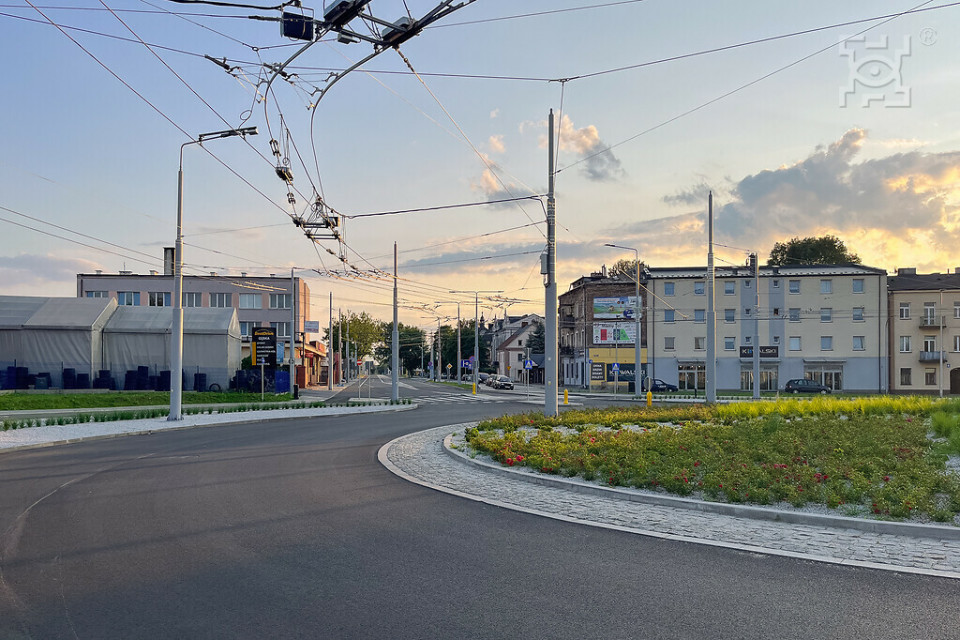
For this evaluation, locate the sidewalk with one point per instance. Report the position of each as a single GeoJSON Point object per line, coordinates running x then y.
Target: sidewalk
{"type": "Point", "coordinates": [423, 458]}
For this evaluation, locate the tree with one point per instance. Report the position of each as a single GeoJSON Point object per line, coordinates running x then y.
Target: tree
{"type": "Point", "coordinates": [412, 345]}
{"type": "Point", "coordinates": [812, 250]}
{"type": "Point", "coordinates": [448, 345]}
{"type": "Point", "coordinates": [537, 339]}
{"type": "Point", "coordinates": [626, 268]}
{"type": "Point", "coordinates": [364, 332]}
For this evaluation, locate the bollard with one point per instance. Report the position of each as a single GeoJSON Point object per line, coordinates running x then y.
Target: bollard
{"type": "Point", "coordinates": [566, 397]}
{"type": "Point", "coordinates": [649, 399]}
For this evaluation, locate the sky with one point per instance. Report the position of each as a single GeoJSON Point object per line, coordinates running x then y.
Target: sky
{"type": "Point", "coordinates": [803, 119]}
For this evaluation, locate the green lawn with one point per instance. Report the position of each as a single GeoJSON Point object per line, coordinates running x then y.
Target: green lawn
{"type": "Point", "coordinates": [860, 456]}
{"type": "Point", "coordinates": [37, 401]}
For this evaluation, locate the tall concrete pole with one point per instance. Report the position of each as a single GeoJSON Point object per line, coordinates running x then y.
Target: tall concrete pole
{"type": "Point", "coordinates": [550, 388]}
{"type": "Point", "coordinates": [293, 332]}
{"type": "Point", "coordinates": [349, 357]}
{"type": "Point", "coordinates": [711, 391]}
{"type": "Point", "coordinates": [459, 355]}
{"type": "Point", "coordinates": [176, 343]}
{"type": "Point", "coordinates": [756, 326]}
{"type": "Point", "coordinates": [330, 347]}
{"type": "Point", "coordinates": [476, 342]}
{"type": "Point", "coordinates": [395, 351]}
{"type": "Point", "coordinates": [340, 344]}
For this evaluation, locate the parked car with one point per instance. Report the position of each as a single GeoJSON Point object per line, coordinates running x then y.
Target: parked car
{"type": "Point", "coordinates": [483, 377]}
{"type": "Point", "coordinates": [658, 385]}
{"type": "Point", "coordinates": [491, 379]}
{"type": "Point", "coordinates": [503, 382]}
{"type": "Point", "coordinates": [803, 385]}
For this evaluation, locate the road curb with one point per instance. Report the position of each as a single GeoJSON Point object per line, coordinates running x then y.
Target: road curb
{"type": "Point", "coordinates": [912, 530]}
{"type": "Point", "coordinates": [342, 411]}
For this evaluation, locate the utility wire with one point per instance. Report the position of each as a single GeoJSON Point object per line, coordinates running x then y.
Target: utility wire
{"type": "Point", "coordinates": [443, 207]}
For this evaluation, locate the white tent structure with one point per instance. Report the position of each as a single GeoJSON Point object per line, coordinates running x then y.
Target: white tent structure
{"type": "Point", "coordinates": [53, 335]}
{"type": "Point", "coordinates": [136, 337]}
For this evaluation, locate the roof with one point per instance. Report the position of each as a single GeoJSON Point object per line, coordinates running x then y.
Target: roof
{"type": "Point", "coordinates": [34, 312]}
{"type": "Point", "coordinates": [924, 282]}
{"type": "Point", "coordinates": [159, 320]}
{"type": "Point", "coordinates": [815, 270]}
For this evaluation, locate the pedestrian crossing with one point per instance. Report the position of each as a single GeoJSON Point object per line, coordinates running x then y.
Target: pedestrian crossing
{"type": "Point", "coordinates": [460, 398]}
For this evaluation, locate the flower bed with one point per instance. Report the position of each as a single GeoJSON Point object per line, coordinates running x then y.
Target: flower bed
{"type": "Point", "coordinates": [862, 456]}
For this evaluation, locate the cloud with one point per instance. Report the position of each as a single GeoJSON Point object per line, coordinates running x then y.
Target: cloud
{"type": "Point", "coordinates": [494, 113]}
{"type": "Point", "coordinates": [598, 163]}
{"type": "Point", "coordinates": [26, 273]}
{"type": "Point", "coordinates": [496, 144]}
{"type": "Point", "coordinates": [898, 209]}
{"type": "Point", "coordinates": [695, 195]}
{"type": "Point", "coordinates": [494, 187]}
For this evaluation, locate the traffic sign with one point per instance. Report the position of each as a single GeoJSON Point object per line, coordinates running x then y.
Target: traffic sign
{"type": "Point", "coordinates": [449, 366]}
{"type": "Point", "coordinates": [616, 366]}
{"type": "Point", "coordinates": [359, 362]}
{"type": "Point", "coordinates": [528, 364]}
{"type": "Point", "coordinates": [466, 363]}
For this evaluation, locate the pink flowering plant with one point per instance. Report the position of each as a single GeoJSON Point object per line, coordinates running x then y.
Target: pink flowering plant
{"type": "Point", "coordinates": [841, 454]}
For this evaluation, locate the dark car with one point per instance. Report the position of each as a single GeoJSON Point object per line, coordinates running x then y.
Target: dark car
{"type": "Point", "coordinates": [656, 384]}
{"type": "Point", "coordinates": [803, 385]}
{"type": "Point", "coordinates": [482, 377]}
{"type": "Point", "coordinates": [503, 382]}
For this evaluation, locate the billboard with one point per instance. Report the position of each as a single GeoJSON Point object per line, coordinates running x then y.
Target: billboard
{"type": "Point", "coordinates": [614, 332]}
{"type": "Point", "coordinates": [620, 308]}
{"type": "Point", "coordinates": [264, 346]}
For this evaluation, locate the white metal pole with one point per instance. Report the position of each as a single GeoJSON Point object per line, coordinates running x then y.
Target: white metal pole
{"type": "Point", "coordinates": [176, 339]}
{"type": "Point", "coordinates": [330, 347]}
{"type": "Point", "coordinates": [459, 355]}
{"type": "Point", "coordinates": [395, 351]}
{"type": "Point", "coordinates": [476, 342]}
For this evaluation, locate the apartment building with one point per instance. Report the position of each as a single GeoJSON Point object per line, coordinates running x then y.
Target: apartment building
{"type": "Point", "coordinates": [826, 323]}
{"type": "Point", "coordinates": [259, 301]}
{"type": "Point", "coordinates": [597, 330]}
{"type": "Point", "coordinates": [924, 332]}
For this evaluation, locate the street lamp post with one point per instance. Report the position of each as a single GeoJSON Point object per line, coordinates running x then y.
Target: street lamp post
{"type": "Point", "coordinates": [176, 342]}
{"type": "Point", "coordinates": [636, 317]}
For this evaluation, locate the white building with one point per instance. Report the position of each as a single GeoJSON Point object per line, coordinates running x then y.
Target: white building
{"type": "Point", "coordinates": [826, 323]}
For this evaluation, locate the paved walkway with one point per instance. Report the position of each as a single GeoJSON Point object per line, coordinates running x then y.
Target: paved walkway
{"type": "Point", "coordinates": [423, 459]}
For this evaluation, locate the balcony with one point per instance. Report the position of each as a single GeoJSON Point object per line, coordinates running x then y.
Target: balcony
{"type": "Point", "coordinates": [931, 356]}
{"type": "Point", "coordinates": [927, 322]}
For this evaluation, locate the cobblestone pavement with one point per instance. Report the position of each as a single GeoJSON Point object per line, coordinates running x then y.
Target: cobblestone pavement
{"type": "Point", "coordinates": [421, 458]}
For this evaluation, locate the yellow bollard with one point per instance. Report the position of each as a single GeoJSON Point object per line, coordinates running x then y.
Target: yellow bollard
{"type": "Point", "coordinates": [566, 397]}
{"type": "Point", "coordinates": [649, 399]}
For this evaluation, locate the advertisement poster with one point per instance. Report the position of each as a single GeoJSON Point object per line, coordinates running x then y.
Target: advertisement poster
{"type": "Point", "coordinates": [614, 333]}
{"type": "Point", "coordinates": [622, 308]}
{"type": "Point", "coordinates": [598, 371]}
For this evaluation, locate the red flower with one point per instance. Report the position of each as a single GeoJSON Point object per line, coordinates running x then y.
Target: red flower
{"type": "Point", "coordinates": [519, 458]}
{"type": "Point", "coordinates": [886, 478]}
{"type": "Point", "coordinates": [510, 461]}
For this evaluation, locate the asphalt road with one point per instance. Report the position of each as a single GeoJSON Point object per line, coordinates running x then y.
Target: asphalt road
{"type": "Point", "coordinates": [293, 529]}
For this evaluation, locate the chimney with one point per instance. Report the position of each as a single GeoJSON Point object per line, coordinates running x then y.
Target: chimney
{"type": "Point", "coordinates": [99, 272]}
{"type": "Point", "coordinates": [243, 274]}
{"type": "Point", "coordinates": [168, 256]}
{"type": "Point", "coordinates": [213, 273]}
{"type": "Point", "coordinates": [907, 271]}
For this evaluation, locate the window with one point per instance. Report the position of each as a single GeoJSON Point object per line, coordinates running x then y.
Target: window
{"type": "Point", "coordinates": [96, 294]}
{"type": "Point", "coordinates": [776, 339]}
{"type": "Point", "coordinates": [700, 315]}
{"type": "Point", "coordinates": [826, 286]}
{"type": "Point", "coordinates": [794, 343]}
{"type": "Point", "coordinates": [729, 344]}
{"type": "Point", "coordinates": [795, 314]}
{"type": "Point", "coordinates": [858, 285]}
{"type": "Point", "coordinates": [929, 344]}
{"type": "Point", "coordinates": [729, 288]}
{"type": "Point", "coordinates": [669, 343]}
{"type": "Point", "coordinates": [930, 376]}
{"type": "Point", "coordinates": [158, 299]}
{"type": "Point", "coordinates": [128, 298]}
{"type": "Point", "coordinates": [669, 315]}
{"type": "Point", "coordinates": [729, 315]}
{"type": "Point", "coordinates": [246, 328]}
{"type": "Point", "coordinates": [776, 283]}
{"type": "Point", "coordinates": [904, 310]}
{"type": "Point", "coordinates": [794, 286]}
{"type": "Point", "coordinates": [279, 300]}
{"type": "Point", "coordinates": [519, 357]}
{"type": "Point", "coordinates": [283, 329]}
{"type": "Point", "coordinates": [221, 300]}
{"type": "Point", "coordinates": [905, 377]}
{"type": "Point", "coordinates": [192, 299]}
{"type": "Point", "coordinates": [905, 344]}
{"type": "Point", "coordinates": [519, 343]}
{"type": "Point", "coordinates": [956, 343]}
{"type": "Point", "coordinates": [251, 301]}
{"type": "Point", "coordinates": [858, 314]}
{"type": "Point", "coordinates": [929, 312]}
{"type": "Point", "coordinates": [699, 343]}
{"type": "Point", "coordinates": [956, 309]}
{"type": "Point", "coordinates": [826, 343]}
{"type": "Point", "coordinates": [698, 288]}
{"type": "Point", "coordinates": [668, 288]}
{"type": "Point", "coordinates": [859, 343]}
{"type": "Point", "coordinates": [826, 314]}
{"type": "Point", "coordinates": [747, 340]}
